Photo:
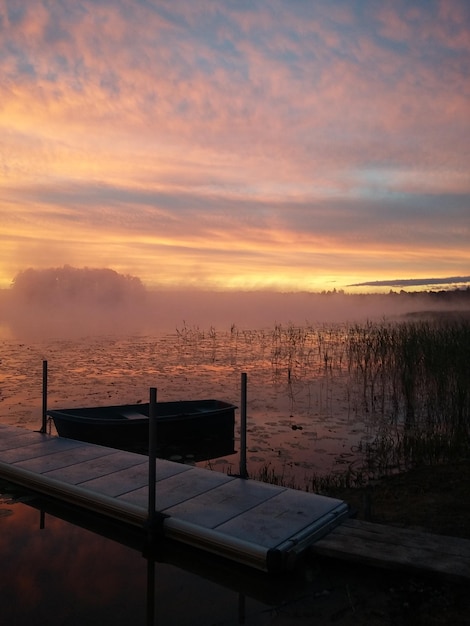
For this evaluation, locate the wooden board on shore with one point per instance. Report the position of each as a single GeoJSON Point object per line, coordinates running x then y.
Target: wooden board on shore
{"type": "Point", "coordinates": [391, 547]}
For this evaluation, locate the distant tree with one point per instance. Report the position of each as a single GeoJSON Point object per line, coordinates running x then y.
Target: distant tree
{"type": "Point", "coordinates": [70, 285]}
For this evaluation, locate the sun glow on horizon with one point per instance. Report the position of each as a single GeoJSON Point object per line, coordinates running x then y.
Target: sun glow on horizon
{"type": "Point", "coordinates": [281, 282]}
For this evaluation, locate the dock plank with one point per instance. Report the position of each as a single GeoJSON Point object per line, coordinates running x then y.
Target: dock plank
{"type": "Point", "coordinates": [104, 465]}
{"type": "Point", "coordinates": [391, 547]}
{"type": "Point", "coordinates": [284, 515]}
{"type": "Point", "coordinates": [10, 441]}
{"type": "Point", "coordinates": [62, 458]}
{"type": "Point", "coordinates": [180, 487]}
{"type": "Point", "coordinates": [36, 449]}
{"type": "Point", "coordinates": [120, 482]}
{"type": "Point", "coordinates": [223, 503]}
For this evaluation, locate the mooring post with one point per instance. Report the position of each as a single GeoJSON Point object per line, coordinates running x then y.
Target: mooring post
{"type": "Point", "coordinates": [243, 471]}
{"type": "Point", "coordinates": [152, 454]}
{"type": "Point", "coordinates": [44, 397]}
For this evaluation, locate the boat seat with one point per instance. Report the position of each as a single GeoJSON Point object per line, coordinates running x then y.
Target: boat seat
{"type": "Point", "coordinates": [133, 415]}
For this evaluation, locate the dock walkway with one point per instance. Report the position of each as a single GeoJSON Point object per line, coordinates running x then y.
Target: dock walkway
{"type": "Point", "coordinates": [261, 525]}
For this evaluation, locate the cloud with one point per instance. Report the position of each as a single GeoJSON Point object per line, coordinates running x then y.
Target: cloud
{"type": "Point", "coordinates": [413, 282]}
{"type": "Point", "coordinates": [282, 138]}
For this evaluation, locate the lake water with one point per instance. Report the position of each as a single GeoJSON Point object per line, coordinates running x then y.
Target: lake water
{"type": "Point", "coordinates": [304, 418]}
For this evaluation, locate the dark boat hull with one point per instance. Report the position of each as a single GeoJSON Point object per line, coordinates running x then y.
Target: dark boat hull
{"type": "Point", "coordinates": [197, 427]}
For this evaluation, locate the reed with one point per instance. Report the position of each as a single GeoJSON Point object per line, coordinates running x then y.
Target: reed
{"type": "Point", "coordinates": [408, 381]}
{"type": "Point", "coordinates": [269, 474]}
{"type": "Point", "coordinates": [410, 378]}
{"type": "Point", "coordinates": [416, 376]}
{"type": "Point", "coordinates": [315, 483]}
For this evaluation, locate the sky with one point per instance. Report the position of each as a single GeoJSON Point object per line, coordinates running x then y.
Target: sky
{"type": "Point", "coordinates": [237, 145]}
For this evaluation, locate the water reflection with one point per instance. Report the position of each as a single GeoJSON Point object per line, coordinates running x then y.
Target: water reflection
{"type": "Point", "coordinates": [66, 567]}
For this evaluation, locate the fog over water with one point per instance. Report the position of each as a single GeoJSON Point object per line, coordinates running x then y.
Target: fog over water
{"type": "Point", "coordinates": [164, 312]}
{"type": "Point", "coordinates": [70, 302]}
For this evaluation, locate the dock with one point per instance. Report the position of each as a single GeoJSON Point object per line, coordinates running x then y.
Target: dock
{"type": "Point", "coordinates": [264, 526]}
{"type": "Point", "coordinates": [267, 527]}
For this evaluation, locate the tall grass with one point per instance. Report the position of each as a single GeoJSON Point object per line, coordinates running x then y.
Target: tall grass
{"type": "Point", "coordinates": [408, 380]}
{"type": "Point", "coordinates": [418, 374]}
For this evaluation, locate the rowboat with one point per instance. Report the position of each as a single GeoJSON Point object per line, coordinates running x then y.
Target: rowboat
{"type": "Point", "coordinates": [198, 426]}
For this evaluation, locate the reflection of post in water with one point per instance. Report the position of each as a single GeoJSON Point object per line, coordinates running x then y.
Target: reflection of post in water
{"type": "Point", "coordinates": [152, 457]}
{"type": "Point", "coordinates": [243, 426]}
{"type": "Point", "coordinates": [151, 618]}
{"type": "Point", "coordinates": [241, 608]}
{"type": "Point", "coordinates": [152, 507]}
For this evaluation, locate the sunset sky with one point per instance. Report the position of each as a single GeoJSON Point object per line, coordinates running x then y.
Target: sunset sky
{"type": "Point", "coordinates": [238, 144]}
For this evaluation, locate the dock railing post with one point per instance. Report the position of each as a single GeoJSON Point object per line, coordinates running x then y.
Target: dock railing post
{"type": "Point", "coordinates": [152, 455]}
{"type": "Point", "coordinates": [243, 471]}
{"type": "Point", "coordinates": [44, 397]}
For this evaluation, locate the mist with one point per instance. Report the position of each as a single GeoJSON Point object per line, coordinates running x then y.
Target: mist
{"type": "Point", "coordinates": [71, 303]}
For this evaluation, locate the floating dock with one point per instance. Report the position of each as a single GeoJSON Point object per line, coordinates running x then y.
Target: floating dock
{"type": "Point", "coordinates": [260, 525]}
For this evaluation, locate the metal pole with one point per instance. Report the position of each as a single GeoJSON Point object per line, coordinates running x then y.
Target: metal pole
{"type": "Point", "coordinates": [44, 397]}
{"type": "Point", "coordinates": [243, 470]}
{"type": "Point", "coordinates": [152, 454]}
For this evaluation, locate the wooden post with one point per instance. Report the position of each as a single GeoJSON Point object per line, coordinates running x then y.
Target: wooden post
{"type": "Point", "coordinates": [44, 397]}
{"type": "Point", "coordinates": [243, 471]}
{"type": "Point", "coordinates": [152, 455]}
